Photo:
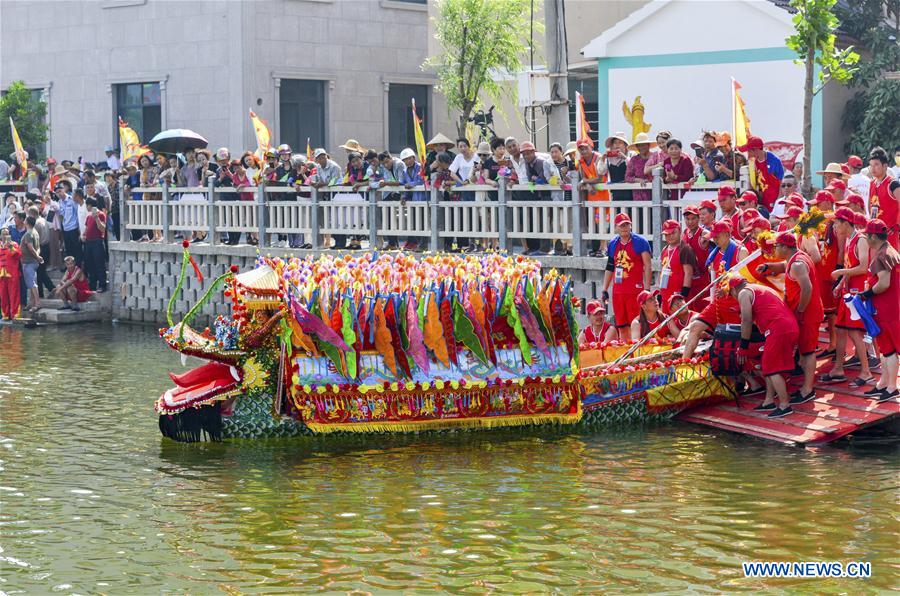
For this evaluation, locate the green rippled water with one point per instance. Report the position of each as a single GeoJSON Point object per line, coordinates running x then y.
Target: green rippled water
{"type": "Point", "coordinates": [93, 500]}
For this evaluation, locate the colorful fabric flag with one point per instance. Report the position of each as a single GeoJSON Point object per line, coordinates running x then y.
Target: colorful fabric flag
{"type": "Point", "coordinates": [309, 153]}
{"type": "Point", "coordinates": [130, 143]}
{"type": "Point", "coordinates": [21, 156]}
{"type": "Point", "coordinates": [739, 112]}
{"type": "Point", "coordinates": [421, 150]}
{"type": "Point", "coordinates": [582, 128]}
{"type": "Point", "coordinates": [261, 128]}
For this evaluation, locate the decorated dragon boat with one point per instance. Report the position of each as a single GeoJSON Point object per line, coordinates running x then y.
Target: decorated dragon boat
{"type": "Point", "coordinates": [386, 342]}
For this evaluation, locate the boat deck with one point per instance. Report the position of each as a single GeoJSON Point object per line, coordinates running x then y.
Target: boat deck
{"type": "Point", "coordinates": [837, 411]}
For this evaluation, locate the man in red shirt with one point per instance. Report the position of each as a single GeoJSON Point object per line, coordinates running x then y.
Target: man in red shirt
{"type": "Point", "coordinates": [802, 295]}
{"type": "Point", "coordinates": [789, 219]}
{"type": "Point", "coordinates": [884, 195]}
{"type": "Point", "coordinates": [884, 292]}
{"type": "Point", "coordinates": [678, 263]}
{"type": "Point", "coordinates": [727, 196]}
{"type": "Point", "coordinates": [628, 271]}
{"type": "Point", "coordinates": [831, 251]}
{"type": "Point", "coordinates": [94, 252]}
{"type": "Point", "coordinates": [748, 200]}
{"type": "Point", "coordinates": [765, 308]}
{"type": "Point", "coordinates": [769, 171]}
{"type": "Point", "coordinates": [698, 239]}
{"type": "Point", "coordinates": [851, 280]}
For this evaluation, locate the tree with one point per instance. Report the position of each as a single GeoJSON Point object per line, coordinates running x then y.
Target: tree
{"type": "Point", "coordinates": [814, 43]}
{"type": "Point", "coordinates": [480, 38]}
{"type": "Point", "coordinates": [28, 113]}
{"type": "Point", "coordinates": [870, 116]}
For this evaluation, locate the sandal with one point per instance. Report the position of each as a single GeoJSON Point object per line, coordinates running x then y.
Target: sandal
{"type": "Point", "coordinates": [825, 354]}
{"type": "Point", "coordinates": [830, 378]}
{"type": "Point", "coordinates": [859, 382]}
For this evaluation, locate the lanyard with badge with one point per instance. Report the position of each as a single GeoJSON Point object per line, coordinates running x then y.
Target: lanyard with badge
{"type": "Point", "coordinates": [666, 271]}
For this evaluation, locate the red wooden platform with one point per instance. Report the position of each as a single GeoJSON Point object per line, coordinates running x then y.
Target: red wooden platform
{"type": "Point", "coordinates": [837, 411]}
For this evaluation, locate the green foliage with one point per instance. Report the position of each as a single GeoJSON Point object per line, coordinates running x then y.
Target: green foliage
{"type": "Point", "coordinates": [871, 118]}
{"type": "Point", "coordinates": [815, 24]}
{"type": "Point", "coordinates": [480, 38]}
{"type": "Point", "coordinates": [29, 113]}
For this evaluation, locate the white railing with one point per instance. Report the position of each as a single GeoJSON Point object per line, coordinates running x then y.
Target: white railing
{"type": "Point", "coordinates": [500, 215]}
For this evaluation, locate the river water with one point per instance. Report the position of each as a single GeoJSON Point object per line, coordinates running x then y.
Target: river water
{"type": "Point", "coordinates": [93, 500]}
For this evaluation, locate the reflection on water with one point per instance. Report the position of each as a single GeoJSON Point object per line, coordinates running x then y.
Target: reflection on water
{"type": "Point", "coordinates": [94, 500]}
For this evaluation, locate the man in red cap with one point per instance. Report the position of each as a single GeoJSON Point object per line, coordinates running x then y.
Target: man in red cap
{"type": "Point", "coordinates": [801, 292]}
{"type": "Point", "coordinates": [628, 270]}
{"type": "Point", "coordinates": [884, 195]}
{"type": "Point", "coordinates": [749, 200]}
{"type": "Point", "coordinates": [860, 221]}
{"type": "Point", "coordinates": [858, 182]}
{"type": "Point", "coordinates": [678, 263]}
{"type": "Point", "coordinates": [837, 188]}
{"type": "Point", "coordinates": [764, 307]}
{"type": "Point", "coordinates": [752, 230]}
{"type": "Point", "coordinates": [708, 211]}
{"type": "Point", "coordinates": [730, 211]}
{"type": "Point", "coordinates": [789, 219]}
{"type": "Point", "coordinates": [851, 280]}
{"type": "Point", "coordinates": [722, 309]}
{"type": "Point", "coordinates": [831, 252]}
{"type": "Point", "coordinates": [599, 330]}
{"type": "Point", "coordinates": [854, 202]}
{"type": "Point", "coordinates": [698, 239]}
{"type": "Point", "coordinates": [769, 171]}
{"type": "Point", "coordinates": [884, 292]}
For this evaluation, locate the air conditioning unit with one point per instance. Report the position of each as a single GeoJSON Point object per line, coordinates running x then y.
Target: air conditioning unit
{"type": "Point", "coordinates": [534, 87]}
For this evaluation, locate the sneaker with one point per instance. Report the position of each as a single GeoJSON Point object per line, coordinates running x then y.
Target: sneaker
{"type": "Point", "coordinates": [885, 396]}
{"type": "Point", "coordinates": [874, 363]}
{"type": "Point", "coordinates": [873, 392]}
{"type": "Point", "coordinates": [748, 392]}
{"type": "Point", "coordinates": [76, 308]}
{"type": "Point", "coordinates": [66, 306]}
{"type": "Point", "coordinates": [852, 363]}
{"type": "Point", "coordinates": [781, 412]}
{"type": "Point", "coordinates": [798, 398]}
{"type": "Point", "coordinates": [765, 407]}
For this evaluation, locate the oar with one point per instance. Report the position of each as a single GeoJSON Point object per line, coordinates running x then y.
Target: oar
{"type": "Point", "coordinates": [644, 339]}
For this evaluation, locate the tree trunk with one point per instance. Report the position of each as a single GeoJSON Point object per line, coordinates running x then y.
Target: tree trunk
{"type": "Point", "coordinates": [461, 125]}
{"type": "Point", "coordinates": [810, 64]}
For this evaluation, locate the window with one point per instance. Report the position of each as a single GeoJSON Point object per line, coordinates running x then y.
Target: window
{"type": "Point", "coordinates": [139, 105]}
{"type": "Point", "coordinates": [302, 113]}
{"type": "Point", "coordinates": [401, 133]}
{"type": "Point", "coordinates": [587, 86]}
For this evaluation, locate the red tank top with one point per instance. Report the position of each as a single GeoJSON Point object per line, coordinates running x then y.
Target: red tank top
{"type": "Point", "coordinates": [736, 224]}
{"type": "Point", "coordinates": [672, 259]}
{"type": "Point", "coordinates": [792, 288]}
{"type": "Point", "coordinates": [632, 268]}
{"type": "Point", "coordinates": [589, 336]}
{"type": "Point", "coordinates": [851, 259]}
{"type": "Point", "coordinates": [888, 208]}
{"type": "Point", "coordinates": [828, 247]}
{"type": "Point", "coordinates": [887, 304]}
{"type": "Point", "coordinates": [702, 253]}
{"type": "Point", "coordinates": [770, 313]}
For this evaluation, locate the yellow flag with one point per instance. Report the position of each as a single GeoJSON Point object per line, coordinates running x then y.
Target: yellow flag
{"type": "Point", "coordinates": [21, 156]}
{"type": "Point", "coordinates": [421, 151]}
{"type": "Point", "coordinates": [741, 121]}
{"type": "Point", "coordinates": [261, 128]}
{"type": "Point", "coordinates": [129, 142]}
{"type": "Point", "coordinates": [309, 151]}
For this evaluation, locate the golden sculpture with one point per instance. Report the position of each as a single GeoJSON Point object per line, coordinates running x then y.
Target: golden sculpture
{"type": "Point", "coordinates": [635, 117]}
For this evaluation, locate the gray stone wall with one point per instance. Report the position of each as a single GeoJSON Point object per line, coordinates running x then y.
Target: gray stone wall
{"type": "Point", "coordinates": [144, 277]}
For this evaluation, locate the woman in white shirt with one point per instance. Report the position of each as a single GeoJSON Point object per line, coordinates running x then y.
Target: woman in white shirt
{"type": "Point", "coordinates": [463, 163]}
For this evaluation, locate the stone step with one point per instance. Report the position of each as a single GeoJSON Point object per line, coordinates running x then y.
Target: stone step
{"type": "Point", "coordinates": [55, 316]}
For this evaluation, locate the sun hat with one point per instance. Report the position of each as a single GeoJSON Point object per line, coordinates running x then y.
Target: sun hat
{"type": "Point", "coordinates": [791, 213]}
{"type": "Point", "coordinates": [484, 148]}
{"type": "Point", "coordinates": [642, 138]}
{"type": "Point", "coordinates": [832, 168]}
{"type": "Point", "coordinates": [59, 170]}
{"type": "Point", "coordinates": [646, 295]}
{"type": "Point", "coordinates": [753, 142]}
{"type": "Point", "coordinates": [621, 218]}
{"type": "Point", "coordinates": [406, 153]}
{"type": "Point", "coordinates": [876, 226]}
{"type": "Point", "coordinates": [616, 135]}
{"type": "Point", "coordinates": [439, 139]}
{"type": "Point", "coordinates": [723, 138]}
{"type": "Point", "coordinates": [571, 148]}
{"type": "Point", "coordinates": [353, 145]}
{"type": "Point", "coordinates": [670, 225]}
{"type": "Point", "coordinates": [319, 152]}
{"type": "Point", "coordinates": [594, 306]}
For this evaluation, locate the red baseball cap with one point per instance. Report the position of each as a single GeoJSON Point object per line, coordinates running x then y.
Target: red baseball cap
{"type": "Point", "coordinates": [795, 198]}
{"type": "Point", "coordinates": [734, 280]}
{"type": "Point", "coordinates": [876, 226]}
{"type": "Point", "coordinates": [622, 218]}
{"type": "Point", "coordinates": [749, 215]}
{"type": "Point", "coordinates": [748, 196]}
{"type": "Point", "coordinates": [792, 212]}
{"type": "Point", "coordinates": [823, 196]}
{"type": "Point", "coordinates": [752, 143]}
{"type": "Point", "coordinates": [723, 226]}
{"type": "Point", "coordinates": [691, 210]}
{"type": "Point", "coordinates": [759, 222]}
{"type": "Point", "coordinates": [860, 219]}
{"type": "Point", "coordinates": [673, 298]}
{"type": "Point", "coordinates": [837, 183]}
{"type": "Point", "coordinates": [854, 161]}
{"type": "Point", "coordinates": [594, 306]}
{"type": "Point", "coordinates": [845, 214]}
{"type": "Point", "coordinates": [727, 191]}
{"type": "Point", "coordinates": [526, 146]}
{"type": "Point", "coordinates": [585, 142]}
{"type": "Point", "coordinates": [853, 199]}
{"type": "Point", "coordinates": [646, 295]}
{"type": "Point", "coordinates": [787, 239]}
{"type": "Point", "coordinates": [670, 225]}
{"type": "Point", "coordinates": [845, 168]}
{"type": "Point", "coordinates": [707, 204]}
